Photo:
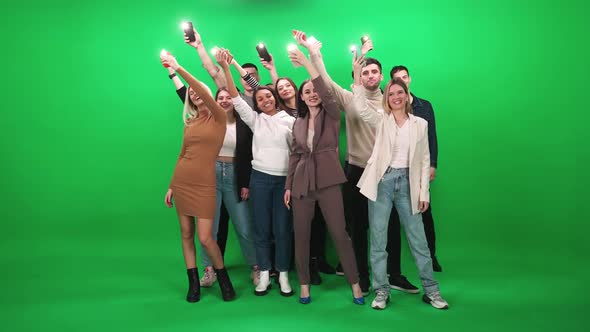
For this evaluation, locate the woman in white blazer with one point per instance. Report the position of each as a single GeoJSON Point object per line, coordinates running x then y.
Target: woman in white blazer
{"type": "Point", "coordinates": [397, 173]}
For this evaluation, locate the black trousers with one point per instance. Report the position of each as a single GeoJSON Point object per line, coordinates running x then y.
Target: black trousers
{"type": "Point", "coordinates": [394, 245]}
{"type": "Point", "coordinates": [223, 228]}
{"type": "Point", "coordinates": [356, 211]}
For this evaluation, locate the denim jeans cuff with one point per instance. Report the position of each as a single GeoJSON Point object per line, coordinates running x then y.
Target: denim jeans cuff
{"type": "Point", "coordinates": [431, 289]}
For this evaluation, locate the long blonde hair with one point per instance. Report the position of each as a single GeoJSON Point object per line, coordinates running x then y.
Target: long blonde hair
{"type": "Point", "coordinates": [190, 110]}
{"type": "Point", "coordinates": [385, 102]}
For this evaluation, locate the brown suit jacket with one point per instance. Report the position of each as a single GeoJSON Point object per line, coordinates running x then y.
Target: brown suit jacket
{"type": "Point", "coordinates": [313, 170]}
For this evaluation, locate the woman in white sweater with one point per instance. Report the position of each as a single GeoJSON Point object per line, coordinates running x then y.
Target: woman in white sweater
{"type": "Point", "coordinates": [397, 173]}
{"type": "Point", "coordinates": [272, 129]}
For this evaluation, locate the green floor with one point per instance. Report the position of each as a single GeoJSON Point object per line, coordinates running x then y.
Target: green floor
{"type": "Point", "coordinates": [106, 283]}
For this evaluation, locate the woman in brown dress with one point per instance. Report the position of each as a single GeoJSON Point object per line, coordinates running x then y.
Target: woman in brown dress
{"type": "Point", "coordinates": [193, 183]}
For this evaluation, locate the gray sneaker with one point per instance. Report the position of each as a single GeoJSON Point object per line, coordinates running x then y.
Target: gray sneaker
{"type": "Point", "coordinates": [209, 277]}
{"type": "Point", "coordinates": [435, 300]}
{"type": "Point", "coordinates": [381, 300]}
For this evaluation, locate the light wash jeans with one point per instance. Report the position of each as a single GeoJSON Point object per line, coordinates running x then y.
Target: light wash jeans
{"type": "Point", "coordinates": [394, 188]}
{"type": "Point", "coordinates": [239, 213]}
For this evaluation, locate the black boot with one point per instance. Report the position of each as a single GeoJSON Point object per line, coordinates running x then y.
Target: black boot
{"type": "Point", "coordinates": [314, 272]}
{"type": "Point", "coordinates": [194, 288]}
{"type": "Point", "coordinates": [227, 289]}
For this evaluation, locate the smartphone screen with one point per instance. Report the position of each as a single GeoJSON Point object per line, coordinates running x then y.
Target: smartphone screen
{"type": "Point", "coordinates": [262, 52]}
{"type": "Point", "coordinates": [188, 29]}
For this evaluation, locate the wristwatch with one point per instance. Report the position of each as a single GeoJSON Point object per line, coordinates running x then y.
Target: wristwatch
{"type": "Point", "coordinates": [172, 75]}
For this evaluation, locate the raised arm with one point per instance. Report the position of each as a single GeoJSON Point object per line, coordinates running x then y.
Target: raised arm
{"type": "Point", "coordinates": [208, 64]}
{"type": "Point", "coordinates": [246, 113]}
{"type": "Point", "coordinates": [272, 69]}
{"type": "Point", "coordinates": [252, 82]}
{"type": "Point", "coordinates": [217, 111]}
{"type": "Point", "coordinates": [180, 88]}
{"type": "Point", "coordinates": [342, 96]}
{"type": "Point", "coordinates": [328, 101]}
{"type": "Point", "coordinates": [359, 99]}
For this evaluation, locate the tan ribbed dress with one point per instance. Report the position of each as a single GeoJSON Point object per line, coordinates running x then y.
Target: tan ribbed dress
{"type": "Point", "coordinates": [193, 182]}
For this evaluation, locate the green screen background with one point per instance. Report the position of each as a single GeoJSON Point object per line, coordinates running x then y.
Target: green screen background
{"type": "Point", "coordinates": [91, 129]}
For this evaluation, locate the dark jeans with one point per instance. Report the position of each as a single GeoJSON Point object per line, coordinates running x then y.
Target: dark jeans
{"type": "Point", "coordinates": [271, 217]}
{"type": "Point", "coordinates": [394, 245]}
{"type": "Point", "coordinates": [357, 218]}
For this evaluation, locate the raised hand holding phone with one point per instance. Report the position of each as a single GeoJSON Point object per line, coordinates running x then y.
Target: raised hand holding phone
{"type": "Point", "coordinates": [367, 44]}
{"type": "Point", "coordinates": [263, 52]}
{"type": "Point", "coordinates": [163, 54]}
{"type": "Point", "coordinates": [189, 31]}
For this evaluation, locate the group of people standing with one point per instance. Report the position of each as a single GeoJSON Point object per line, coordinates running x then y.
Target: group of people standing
{"type": "Point", "coordinates": [267, 159]}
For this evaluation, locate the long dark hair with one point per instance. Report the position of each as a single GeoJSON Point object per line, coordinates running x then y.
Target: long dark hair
{"type": "Point", "coordinates": [302, 109]}
{"type": "Point", "coordinates": [282, 103]}
{"type": "Point", "coordinates": [264, 87]}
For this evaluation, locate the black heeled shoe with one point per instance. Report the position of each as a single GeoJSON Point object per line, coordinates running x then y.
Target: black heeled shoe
{"type": "Point", "coordinates": [227, 289]}
{"type": "Point", "coordinates": [194, 288]}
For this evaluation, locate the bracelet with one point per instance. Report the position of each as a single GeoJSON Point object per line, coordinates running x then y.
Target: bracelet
{"type": "Point", "coordinates": [172, 75]}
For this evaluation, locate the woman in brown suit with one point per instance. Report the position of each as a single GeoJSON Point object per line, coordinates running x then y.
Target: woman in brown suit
{"type": "Point", "coordinates": [315, 174]}
{"type": "Point", "coordinates": [193, 183]}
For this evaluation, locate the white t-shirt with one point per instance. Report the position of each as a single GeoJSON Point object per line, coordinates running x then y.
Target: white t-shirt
{"type": "Point", "coordinates": [228, 149]}
{"type": "Point", "coordinates": [400, 140]}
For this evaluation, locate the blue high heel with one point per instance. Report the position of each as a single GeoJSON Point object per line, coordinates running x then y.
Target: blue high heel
{"type": "Point", "coordinates": [358, 300]}
{"type": "Point", "coordinates": [305, 300]}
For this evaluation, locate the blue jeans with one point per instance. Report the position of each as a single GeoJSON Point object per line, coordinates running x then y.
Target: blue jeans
{"type": "Point", "coordinates": [394, 188]}
{"type": "Point", "coordinates": [239, 212]}
{"type": "Point", "coordinates": [271, 217]}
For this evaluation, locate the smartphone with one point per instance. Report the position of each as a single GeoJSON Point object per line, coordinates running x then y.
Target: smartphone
{"type": "Point", "coordinates": [188, 29]}
{"type": "Point", "coordinates": [364, 39]}
{"type": "Point", "coordinates": [262, 52]}
{"type": "Point", "coordinates": [164, 53]}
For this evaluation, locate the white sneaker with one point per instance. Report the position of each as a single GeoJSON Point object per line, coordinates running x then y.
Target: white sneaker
{"type": "Point", "coordinates": [209, 277]}
{"type": "Point", "coordinates": [255, 275]}
{"type": "Point", "coordinates": [435, 300]}
{"type": "Point", "coordinates": [263, 284]}
{"type": "Point", "coordinates": [284, 283]}
{"type": "Point", "coordinates": [381, 300]}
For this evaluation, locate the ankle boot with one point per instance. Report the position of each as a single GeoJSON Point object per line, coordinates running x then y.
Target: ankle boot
{"type": "Point", "coordinates": [284, 284]}
{"type": "Point", "coordinates": [314, 272]}
{"type": "Point", "coordinates": [263, 284]}
{"type": "Point", "coordinates": [227, 289]}
{"type": "Point", "coordinates": [194, 288]}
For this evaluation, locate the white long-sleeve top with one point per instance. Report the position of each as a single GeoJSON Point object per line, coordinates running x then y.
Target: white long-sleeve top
{"type": "Point", "coordinates": [381, 157]}
{"type": "Point", "coordinates": [272, 138]}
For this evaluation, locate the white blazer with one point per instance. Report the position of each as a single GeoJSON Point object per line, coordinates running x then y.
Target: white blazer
{"type": "Point", "coordinates": [381, 157]}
